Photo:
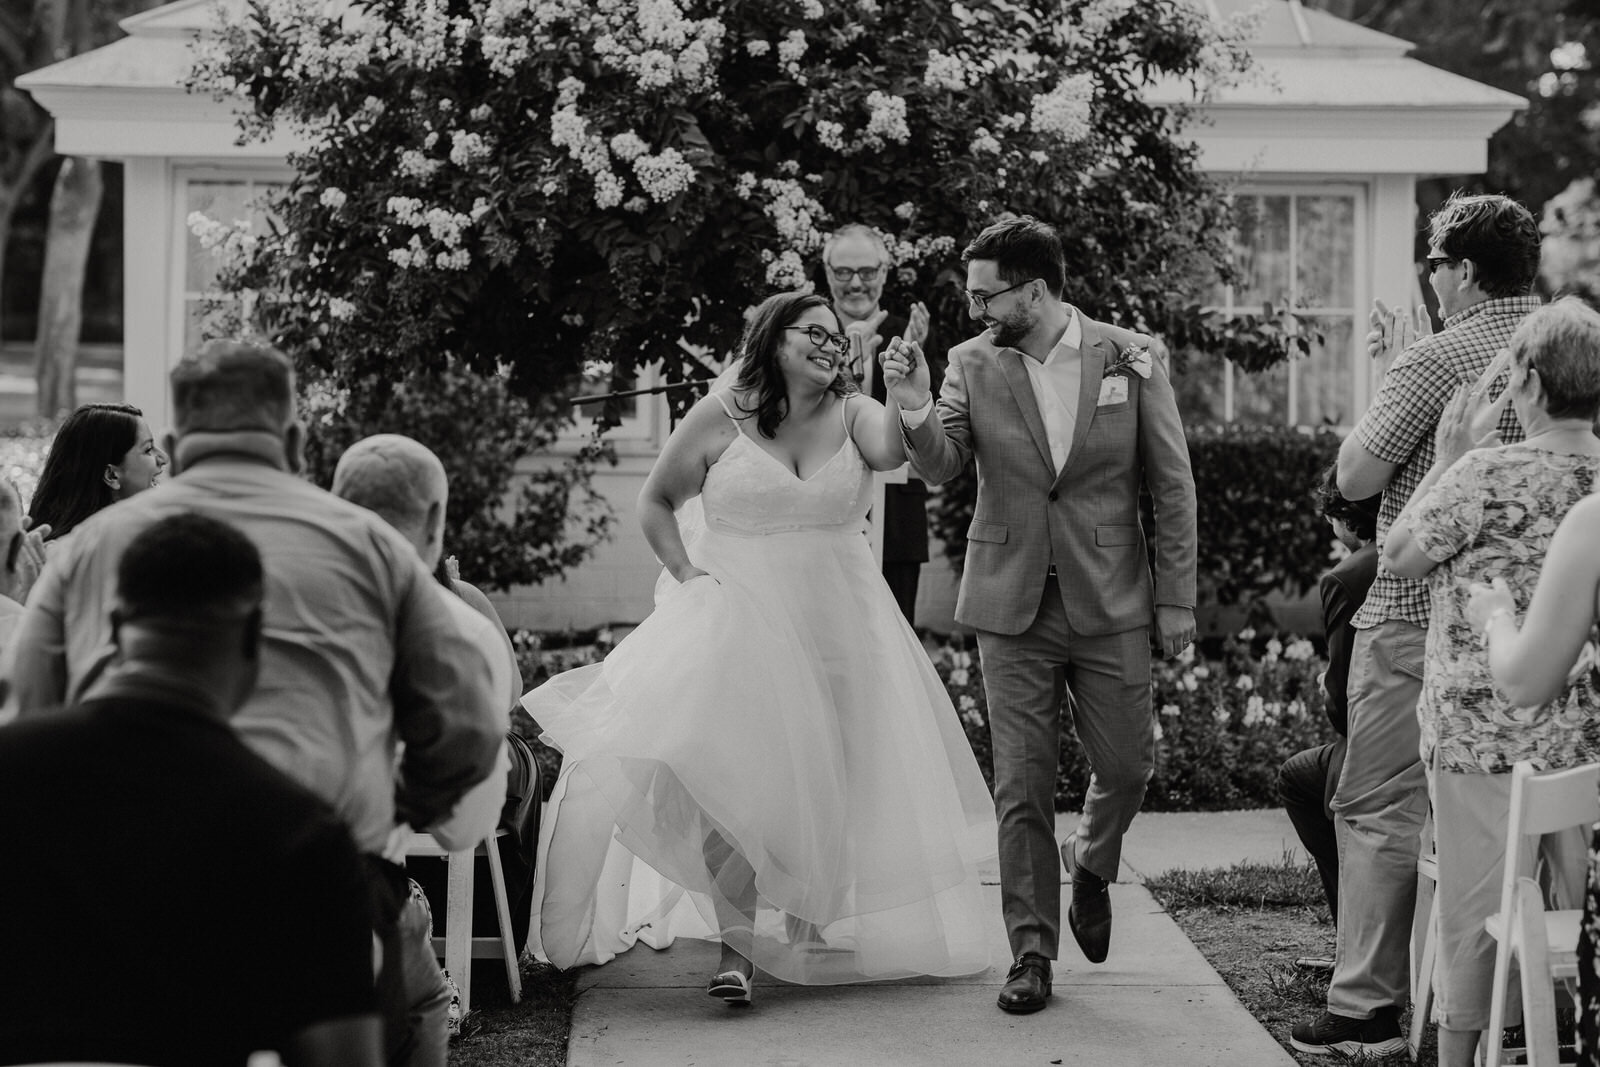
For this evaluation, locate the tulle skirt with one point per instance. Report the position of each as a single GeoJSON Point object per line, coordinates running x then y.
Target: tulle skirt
{"type": "Point", "coordinates": [771, 759]}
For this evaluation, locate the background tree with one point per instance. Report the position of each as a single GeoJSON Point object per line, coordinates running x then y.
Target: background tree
{"type": "Point", "coordinates": [516, 191]}
{"type": "Point", "coordinates": [1546, 157]}
{"type": "Point", "coordinates": [35, 33]}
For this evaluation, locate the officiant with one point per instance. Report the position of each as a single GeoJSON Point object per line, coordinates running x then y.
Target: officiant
{"type": "Point", "coordinates": [856, 262]}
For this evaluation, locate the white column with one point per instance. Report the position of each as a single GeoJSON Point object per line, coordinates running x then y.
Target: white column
{"type": "Point", "coordinates": [147, 295]}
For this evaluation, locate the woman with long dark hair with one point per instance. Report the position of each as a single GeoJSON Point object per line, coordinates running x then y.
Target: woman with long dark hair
{"type": "Point", "coordinates": [771, 748]}
{"type": "Point", "coordinates": [101, 454]}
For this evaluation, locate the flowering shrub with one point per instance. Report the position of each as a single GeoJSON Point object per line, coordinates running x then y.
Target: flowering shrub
{"type": "Point", "coordinates": [1223, 726]}
{"type": "Point", "coordinates": [22, 454]}
{"type": "Point", "coordinates": [521, 187]}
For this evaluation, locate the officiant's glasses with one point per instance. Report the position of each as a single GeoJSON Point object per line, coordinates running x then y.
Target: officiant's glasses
{"type": "Point", "coordinates": [842, 275]}
{"type": "Point", "coordinates": [822, 338]}
{"type": "Point", "coordinates": [981, 300]}
{"type": "Point", "coordinates": [1435, 262]}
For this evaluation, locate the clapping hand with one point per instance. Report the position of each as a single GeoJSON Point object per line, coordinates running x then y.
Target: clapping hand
{"type": "Point", "coordinates": [917, 324]}
{"type": "Point", "coordinates": [26, 558]}
{"type": "Point", "coordinates": [1394, 331]}
{"type": "Point", "coordinates": [1470, 419]}
{"type": "Point", "coordinates": [905, 374]}
{"type": "Point", "coordinates": [1483, 601]}
{"type": "Point", "coordinates": [864, 339]}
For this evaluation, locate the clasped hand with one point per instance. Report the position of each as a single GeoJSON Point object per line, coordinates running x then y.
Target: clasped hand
{"type": "Point", "coordinates": [905, 374]}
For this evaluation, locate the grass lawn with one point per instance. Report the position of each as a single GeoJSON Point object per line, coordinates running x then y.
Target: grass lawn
{"type": "Point", "coordinates": [1251, 922]}
{"type": "Point", "coordinates": [498, 1033]}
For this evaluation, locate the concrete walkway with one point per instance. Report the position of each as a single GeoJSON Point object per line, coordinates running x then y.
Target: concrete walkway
{"type": "Point", "coordinates": [1155, 1001]}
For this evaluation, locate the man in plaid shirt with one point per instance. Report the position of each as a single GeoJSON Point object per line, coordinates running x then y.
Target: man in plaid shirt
{"type": "Point", "coordinates": [1483, 257]}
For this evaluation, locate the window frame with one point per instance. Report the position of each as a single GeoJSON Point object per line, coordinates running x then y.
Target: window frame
{"type": "Point", "coordinates": [1356, 364]}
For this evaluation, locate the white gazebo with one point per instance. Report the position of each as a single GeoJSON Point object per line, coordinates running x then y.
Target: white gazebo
{"type": "Point", "coordinates": [1325, 150]}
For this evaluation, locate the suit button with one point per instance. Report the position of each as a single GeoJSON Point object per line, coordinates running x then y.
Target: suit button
{"type": "Point", "coordinates": [1053, 494]}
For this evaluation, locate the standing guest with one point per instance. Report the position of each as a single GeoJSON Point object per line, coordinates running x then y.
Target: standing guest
{"type": "Point", "coordinates": [1067, 419]}
{"type": "Point", "coordinates": [253, 932]}
{"type": "Point", "coordinates": [856, 261]}
{"type": "Point", "coordinates": [1307, 779]}
{"type": "Point", "coordinates": [1557, 640]}
{"type": "Point", "coordinates": [1491, 516]}
{"type": "Point", "coordinates": [359, 654]}
{"type": "Point", "coordinates": [101, 454]}
{"type": "Point", "coordinates": [1483, 257]}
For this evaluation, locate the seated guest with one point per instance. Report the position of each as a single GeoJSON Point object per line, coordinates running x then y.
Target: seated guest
{"type": "Point", "coordinates": [102, 453]}
{"type": "Point", "coordinates": [1306, 780]}
{"type": "Point", "coordinates": [404, 483]}
{"type": "Point", "coordinates": [1489, 515]}
{"type": "Point", "coordinates": [364, 672]}
{"type": "Point", "coordinates": [21, 557]}
{"type": "Point", "coordinates": [229, 900]}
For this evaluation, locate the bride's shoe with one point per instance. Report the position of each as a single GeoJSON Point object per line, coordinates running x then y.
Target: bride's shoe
{"type": "Point", "coordinates": [730, 986]}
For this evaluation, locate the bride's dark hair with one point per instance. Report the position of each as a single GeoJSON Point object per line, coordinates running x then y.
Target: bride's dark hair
{"type": "Point", "coordinates": [759, 376]}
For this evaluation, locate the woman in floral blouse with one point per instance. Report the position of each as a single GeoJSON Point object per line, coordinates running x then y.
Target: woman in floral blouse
{"type": "Point", "coordinates": [1483, 515]}
{"type": "Point", "coordinates": [1557, 641]}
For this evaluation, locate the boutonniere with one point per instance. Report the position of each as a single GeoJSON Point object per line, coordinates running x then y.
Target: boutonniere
{"type": "Point", "coordinates": [1135, 359]}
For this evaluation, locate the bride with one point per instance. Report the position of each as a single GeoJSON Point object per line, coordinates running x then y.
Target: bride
{"type": "Point", "coordinates": [770, 758]}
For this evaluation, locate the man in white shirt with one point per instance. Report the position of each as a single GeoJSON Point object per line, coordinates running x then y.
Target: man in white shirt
{"type": "Point", "coordinates": [1067, 420]}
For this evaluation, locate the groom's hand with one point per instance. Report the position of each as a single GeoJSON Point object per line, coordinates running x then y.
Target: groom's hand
{"type": "Point", "coordinates": [1174, 628]}
{"type": "Point", "coordinates": [905, 374]}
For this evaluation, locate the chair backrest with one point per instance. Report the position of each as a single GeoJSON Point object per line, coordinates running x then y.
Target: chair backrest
{"type": "Point", "coordinates": [1555, 800]}
{"type": "Point", "coordinates": [1542, 804]}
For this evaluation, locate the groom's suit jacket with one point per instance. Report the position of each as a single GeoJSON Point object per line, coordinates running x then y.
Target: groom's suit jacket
{"type": "Point", "coordinates": [1084, 521]}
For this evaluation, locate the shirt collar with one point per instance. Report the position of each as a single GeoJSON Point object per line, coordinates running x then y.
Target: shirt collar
{"type": "Point", "coordinates": [1071, 339]}
{"type": "Point", "coordinates": [259, 445]}
{"type": "Point", "coordinates": [1502, 305]}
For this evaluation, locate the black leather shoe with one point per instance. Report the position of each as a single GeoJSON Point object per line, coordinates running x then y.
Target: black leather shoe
{"type": "Point", "coordinates": [1089, 915]}
{"type": "Point", "coordinates": [1027, 985]}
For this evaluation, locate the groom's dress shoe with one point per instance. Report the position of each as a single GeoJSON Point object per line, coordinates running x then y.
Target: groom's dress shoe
{"type": "Point", "coordinates": [1089, 915]}
{"type": "Point", "coordinates": [1027, 985]}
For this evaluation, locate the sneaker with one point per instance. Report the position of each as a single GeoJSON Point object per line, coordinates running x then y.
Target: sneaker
{"type": "Point", "coordinates": [1330, 1034]}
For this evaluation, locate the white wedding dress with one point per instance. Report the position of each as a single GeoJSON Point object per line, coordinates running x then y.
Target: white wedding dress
{"type": "Point", "coordinates": [772, 734]}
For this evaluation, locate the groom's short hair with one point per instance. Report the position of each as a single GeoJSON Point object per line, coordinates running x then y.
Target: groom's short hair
{"type": "Point", "coordinates": [1023, 248]}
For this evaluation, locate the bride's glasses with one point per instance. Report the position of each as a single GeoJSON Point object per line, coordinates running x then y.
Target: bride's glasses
{"type": "Point", "coordinates": [822, 338]}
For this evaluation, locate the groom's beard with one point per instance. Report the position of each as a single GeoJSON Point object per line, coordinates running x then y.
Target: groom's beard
{"type": "Point", "coordinates": [1010, 331]}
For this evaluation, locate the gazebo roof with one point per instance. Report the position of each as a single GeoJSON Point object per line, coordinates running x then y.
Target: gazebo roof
{"type": "Point", "coordinates": [1331, 96]}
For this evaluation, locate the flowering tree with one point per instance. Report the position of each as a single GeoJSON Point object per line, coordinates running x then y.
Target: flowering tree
{"type": "Point", "coordinates": [523, 189]}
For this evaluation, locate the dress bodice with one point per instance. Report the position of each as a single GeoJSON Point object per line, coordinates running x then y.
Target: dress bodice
{"type": "Point", "coordinates": [749, 492]}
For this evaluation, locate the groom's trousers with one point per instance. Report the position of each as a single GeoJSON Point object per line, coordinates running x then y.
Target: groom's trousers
{"type": "Point", "coordinates": [1026, 677]}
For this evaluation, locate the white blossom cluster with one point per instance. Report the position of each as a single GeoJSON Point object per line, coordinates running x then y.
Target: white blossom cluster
{"type": "Point", "coordinates": [446, 231]}
{"type": "Point", "coordinates": [1063, 112]}
{"type": "Point", "coordinates": [886, 119]}
{"type": "Point", "coordinates": [945, 71]}
{"type": "Point", "coordinates": [229, 241]}
{"type": "Point", "coordinates": [663, 175]}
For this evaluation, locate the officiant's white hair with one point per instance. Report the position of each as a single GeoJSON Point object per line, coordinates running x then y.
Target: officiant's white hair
{"type": "Point", "coordinates": [856, 229]}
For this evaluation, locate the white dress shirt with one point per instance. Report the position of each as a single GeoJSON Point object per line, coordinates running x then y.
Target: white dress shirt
{"type": "Point", "coordinates": [1057, 384]}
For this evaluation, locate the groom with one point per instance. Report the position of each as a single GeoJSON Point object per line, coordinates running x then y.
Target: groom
{"type": "Point", "coordinates": [1067, 419]}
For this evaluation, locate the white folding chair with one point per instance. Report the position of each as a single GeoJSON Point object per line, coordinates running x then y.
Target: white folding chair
{"type": "Point", "coordinates": [1424, 939]}
{"type": "Point", "coordinates": [458, 947]}
{"type": "Point", "coordinates": [1543, 943]}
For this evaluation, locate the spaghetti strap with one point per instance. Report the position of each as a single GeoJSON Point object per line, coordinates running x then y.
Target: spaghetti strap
{"type": "Point", "coordinates": [725, 410]}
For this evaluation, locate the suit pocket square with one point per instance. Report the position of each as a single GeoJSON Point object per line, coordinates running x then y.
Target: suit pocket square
{"type": "Point", "coordinates": [1113, 391]}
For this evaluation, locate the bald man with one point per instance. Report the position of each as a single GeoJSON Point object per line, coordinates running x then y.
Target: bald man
{"type": "Point", "coordinates": [404, 483]}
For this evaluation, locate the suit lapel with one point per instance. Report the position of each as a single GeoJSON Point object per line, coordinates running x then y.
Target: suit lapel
{"type": "Point", "coordinates": [1022, 390]}
{"type": "Point", "coordinates": [1092, 352]}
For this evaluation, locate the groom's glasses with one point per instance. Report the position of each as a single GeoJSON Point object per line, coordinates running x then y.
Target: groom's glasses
{"type": "Point", "coordinates": [822, 338]}
{"type": "Point", "coordinates": [981, 300]}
